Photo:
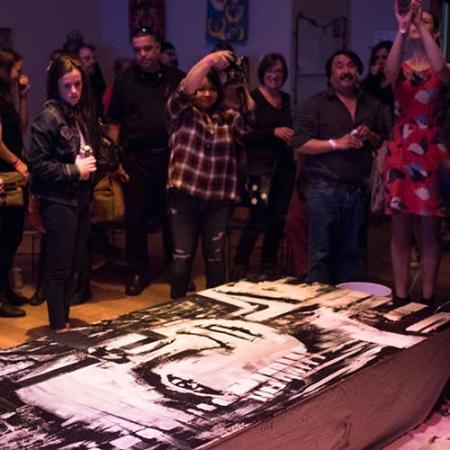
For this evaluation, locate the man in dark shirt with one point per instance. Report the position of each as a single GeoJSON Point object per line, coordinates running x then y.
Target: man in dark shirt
{"type": "Point", "coordinates": [337, 131]}
{"type": "Point", "coordinates": [137, 114]}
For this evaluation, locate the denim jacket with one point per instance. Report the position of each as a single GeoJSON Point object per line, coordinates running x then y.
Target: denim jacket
{"type": "Point", "coordinates": [55, 143]}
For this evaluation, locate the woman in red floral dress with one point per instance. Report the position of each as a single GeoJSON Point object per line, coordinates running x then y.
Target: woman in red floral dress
{"type": "Point", "coordinates": [417, 148]}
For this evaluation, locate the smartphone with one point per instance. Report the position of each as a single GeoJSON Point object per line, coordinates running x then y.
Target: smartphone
{"type": "Point", "coordinates": [404, 7]}
{"type": "Point", "coordinates": [86, 151]}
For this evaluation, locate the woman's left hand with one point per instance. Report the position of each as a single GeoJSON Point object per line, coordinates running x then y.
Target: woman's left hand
{"type": "Point", "coordinates": [24, 86]}
{"type": "Point", "coordinates": [363, 131]}
{"type": "Point", "coordinates": [416, 7]}
{"type": "Point", "coordinates": [22, 168]}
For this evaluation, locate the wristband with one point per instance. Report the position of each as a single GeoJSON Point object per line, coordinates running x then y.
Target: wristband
{"type": "Point", "coordinates": [14, 164]}
{"type": "Point", "coordinates": [333, 144]}
{"type": "Point", "coordinates": [402, 31]}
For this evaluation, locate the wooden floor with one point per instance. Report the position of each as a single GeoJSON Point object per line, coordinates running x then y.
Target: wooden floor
{"type": "Point", "coordinates": [109, 300]}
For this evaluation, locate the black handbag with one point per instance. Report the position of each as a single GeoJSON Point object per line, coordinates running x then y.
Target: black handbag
{"type": "Point", "coordinates": [107, 152]}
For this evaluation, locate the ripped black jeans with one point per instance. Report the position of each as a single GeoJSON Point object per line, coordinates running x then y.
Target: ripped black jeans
{"type": "Point", "coordinates": [192, 217]}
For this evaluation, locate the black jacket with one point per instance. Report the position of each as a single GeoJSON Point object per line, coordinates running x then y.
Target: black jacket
{"type": "Point", "coordinates": [54, 145]}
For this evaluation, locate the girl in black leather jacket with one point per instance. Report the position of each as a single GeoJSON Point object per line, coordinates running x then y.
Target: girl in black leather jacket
{"type": "Point", "coordinates": [61, 163]}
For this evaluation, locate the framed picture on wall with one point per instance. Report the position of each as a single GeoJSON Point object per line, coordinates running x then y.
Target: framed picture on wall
{"type": "Point", "coordinates": [5, 37]}
{"type": "Point", "coordinates": [227, 20]}
{"type": "Point", "coordinates": [148, 14]}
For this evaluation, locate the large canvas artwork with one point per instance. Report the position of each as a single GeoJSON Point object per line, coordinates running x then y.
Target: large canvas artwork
{"type": "Point", "coordinates": [227, 20]}
{"type": "Point", "coordinates": [191, 372]}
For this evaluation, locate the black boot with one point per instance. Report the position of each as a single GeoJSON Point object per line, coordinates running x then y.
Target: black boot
{"type": "Point", "coordinates": [38, 297]}
{"type": "Point", "coordinates": [400, 301]}
{"type": "Point", "coordinates": [11, 311]}
{"type": "Point", "coordinates": [7, 310]}
{"type": "Point", "coordinates": [12, 298]}
{"type": "Point", "coordinates": [136, 283]}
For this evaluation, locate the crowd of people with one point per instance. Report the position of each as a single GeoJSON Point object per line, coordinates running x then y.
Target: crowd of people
{"type": "Point", "coordinates": [194, 145]}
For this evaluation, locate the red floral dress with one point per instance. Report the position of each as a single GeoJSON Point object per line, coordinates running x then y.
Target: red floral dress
{"type": "Point", "coordinates": [417, 147]}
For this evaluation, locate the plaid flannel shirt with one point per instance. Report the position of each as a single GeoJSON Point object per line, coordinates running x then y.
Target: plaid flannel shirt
{"type": "Point", "coordinates": [203, 151]}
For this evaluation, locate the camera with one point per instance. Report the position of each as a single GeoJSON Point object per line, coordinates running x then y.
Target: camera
{"type": "Point", "coordinates": [403, 7]}
{"type": "Point", "coordinates": [237, 70]}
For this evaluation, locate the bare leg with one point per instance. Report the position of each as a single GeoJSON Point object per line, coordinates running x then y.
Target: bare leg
{"type": "Point", "coordinates": [400, 244]}
{"type": "Point", "coordinates": [430, 238]}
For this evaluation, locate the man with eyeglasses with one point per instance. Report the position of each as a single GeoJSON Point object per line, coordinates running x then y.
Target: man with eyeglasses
{"type": "Point", "coordinates": [137, 116]}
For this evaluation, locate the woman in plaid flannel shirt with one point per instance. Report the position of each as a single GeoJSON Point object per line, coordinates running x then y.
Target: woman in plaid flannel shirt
{"type": "Point", "coordinates": [202, 178]}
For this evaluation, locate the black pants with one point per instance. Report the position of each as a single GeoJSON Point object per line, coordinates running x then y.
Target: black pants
{"type": "Point", "coordinates": [67, 229]}
{"type": "Point", "coordinates": [268, 218]}
{"type": "Point", "coordinates": [146, 188]}
{"type": "Point", "coordinates": [11, 229]}
{"type": "Point", "coordinates": [190, 218]}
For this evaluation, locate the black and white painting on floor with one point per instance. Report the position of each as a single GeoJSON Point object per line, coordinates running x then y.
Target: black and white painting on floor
{"type": "Point", "coordinates": [188, 373]}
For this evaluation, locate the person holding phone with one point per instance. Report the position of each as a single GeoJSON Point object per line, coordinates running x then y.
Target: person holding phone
{"type": "Point", "coordinates": [62, 167]}
{"type": "Point", "coordinates": [13, 124]}
{"type": "Point", "coordinates": [417, 147]}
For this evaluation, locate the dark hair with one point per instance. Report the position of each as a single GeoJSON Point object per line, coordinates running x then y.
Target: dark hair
{"type": "Point", "coordinates": [214, 78]}
{"type": "Point", "coordinates": [166, 45]}
{"type": "Point", "coordinates": [436, 23]}
{"type": "Point", "coordinates": [74, 40]}
{"type": "Point", "coordinates": [385, 45]}
{"type": "Point", "coordinates": [60, 66]}
{"type": "Point", "coordinates": [144, 31]}
{"type": "Point", "coordinates": [8, 57]}
{"type": "Point", "coordinates": [269, 61]}
{"type": "Point", "coordinates": [85, 45]}
{"type": "Point", "coordinates": [352, 55]}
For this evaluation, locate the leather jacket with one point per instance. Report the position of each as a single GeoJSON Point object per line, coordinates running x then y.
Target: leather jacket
{"type": "Point", "coordinates": [55, 143]}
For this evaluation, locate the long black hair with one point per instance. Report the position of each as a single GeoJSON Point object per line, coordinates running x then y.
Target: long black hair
{"type": "Point", "coordinates": [8, 58]}
{"type": "Point", "coordinates": [83, 110]}
{"type": "Point", "coordinates": [386, 45]}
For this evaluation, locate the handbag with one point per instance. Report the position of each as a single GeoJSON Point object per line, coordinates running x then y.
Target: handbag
{"type": "Point", "coordinates": [107, 152]}
{"type": "Point", "coordinates": [108, 204]}
{"type": "Point", "coordinates": [13, 189]}
{"type": "Point", "coordinates": [377, 184]}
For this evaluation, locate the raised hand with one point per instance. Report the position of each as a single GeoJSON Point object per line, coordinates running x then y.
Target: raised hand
{"type": "Point", "coordinates": [220, 60]}
{"type": "Point", "coordinates": [403, 20]}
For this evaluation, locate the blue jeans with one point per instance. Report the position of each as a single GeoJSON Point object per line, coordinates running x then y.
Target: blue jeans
{"type": "Point", "coordinates": [336, 214]}
{"type": "Point", "coordinates": [191, 218]}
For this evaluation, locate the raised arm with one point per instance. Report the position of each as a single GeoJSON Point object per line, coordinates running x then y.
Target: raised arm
{"type": "Point", "coordinates": [395, 55]}
{"type": "Point", "coordinates": [195, 76]}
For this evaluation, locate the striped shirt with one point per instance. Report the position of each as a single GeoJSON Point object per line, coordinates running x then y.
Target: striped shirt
{"type": "Point", "coordinates": [203, 151]}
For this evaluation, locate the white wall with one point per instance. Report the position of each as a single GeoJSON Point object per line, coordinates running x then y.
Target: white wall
{"type": "Point", "coordinates": [113, 40]}
{"type": "Point", "coordinates": [366, 24]}
{"type": "Point", "coordinates": [368, 21]}
{"type": "Point", "coordinates": [40, 26]}
{"type": "Point", "coordinates": [323, 11]}
{"type": "Point", "coordinates": [269, 30]}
